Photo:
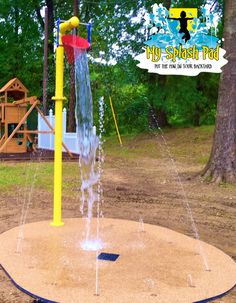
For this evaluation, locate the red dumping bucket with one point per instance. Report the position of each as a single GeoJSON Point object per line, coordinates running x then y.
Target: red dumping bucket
{"type": "Point", "coordinates": [71, 42]}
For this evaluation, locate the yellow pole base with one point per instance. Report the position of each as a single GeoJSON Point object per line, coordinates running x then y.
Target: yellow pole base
{"type": "Point", "coordinates": [56, 224]}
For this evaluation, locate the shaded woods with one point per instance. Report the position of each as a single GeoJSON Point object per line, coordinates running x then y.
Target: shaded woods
{"type": "Point", "coordinates": [174, 100]}
{"type": "Point", "coordinates": [139, 98]}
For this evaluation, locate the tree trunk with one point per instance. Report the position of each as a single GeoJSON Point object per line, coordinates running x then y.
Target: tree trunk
{"type": "Point", "coordinates": [167, 4]}
{"type": "Point", "coordinates": [196, 116]}
{"type": "Point", "coordinates": [50, 7]}
{"type": "Point", "coordinates": [158, 116]}
{"type": "Point", "coordinates": [222, 163]}
{"type": "Point", "coordinates": [71, 112]}
{"type": "Point", "coordinates": [16, 34]}
{"type": "Point", "coordinates": [51, 57]}
{"type": "Point", "coordinates": [45, 63]}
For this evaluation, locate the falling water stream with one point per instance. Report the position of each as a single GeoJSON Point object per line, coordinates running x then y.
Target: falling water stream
{"type": "Point", "coordinates": [88, 143]}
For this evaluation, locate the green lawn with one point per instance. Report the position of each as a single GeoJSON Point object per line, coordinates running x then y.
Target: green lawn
{"type": "Point", "coordinates": [37, 174]}
{"type": "Point", "coordinates": [191, 145]}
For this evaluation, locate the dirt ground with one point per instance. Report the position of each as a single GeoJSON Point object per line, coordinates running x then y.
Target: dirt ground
{"type": "Point", "coordinates": [140, 182]}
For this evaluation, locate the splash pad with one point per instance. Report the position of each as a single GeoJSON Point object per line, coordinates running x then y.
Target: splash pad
{"type": "Point", "coordinates": [128, 262]}
{"type": "Point", "coordinates": [155, 264]}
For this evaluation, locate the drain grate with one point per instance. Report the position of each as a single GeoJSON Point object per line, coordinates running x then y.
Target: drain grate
{"type": "Point", "coordinates": [108, 257]}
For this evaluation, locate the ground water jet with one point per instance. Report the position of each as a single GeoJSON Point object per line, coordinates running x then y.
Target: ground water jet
{"type": "Point", "coordinates": [91, 245]}
{"type": "Point", "coordinates": [27, 201]}
{"type": "Point", "coordinates": [201, 251]}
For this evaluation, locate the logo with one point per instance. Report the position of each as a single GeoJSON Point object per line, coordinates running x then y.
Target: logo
{"type": "Point", "coordinates": [181, 41]}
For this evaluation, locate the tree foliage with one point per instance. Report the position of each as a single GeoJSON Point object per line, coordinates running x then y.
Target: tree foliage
{"type": "Point", "coordinates": [117, 36]}
{"type": "Point", "coordinates": [20, 44]}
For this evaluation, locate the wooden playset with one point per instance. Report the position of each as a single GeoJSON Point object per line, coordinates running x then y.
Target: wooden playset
{"type": "Point", "coordinates": [12, 111]}
{"type": "Point", "coordinates": [15, 108]}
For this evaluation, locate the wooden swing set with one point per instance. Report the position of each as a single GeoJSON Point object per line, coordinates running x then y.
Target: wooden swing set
{"type": "Point", "coordinates": [15, 108]}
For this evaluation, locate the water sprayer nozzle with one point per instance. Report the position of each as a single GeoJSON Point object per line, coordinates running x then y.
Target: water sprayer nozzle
{"type": "Point", "coordinates": [69, 25]}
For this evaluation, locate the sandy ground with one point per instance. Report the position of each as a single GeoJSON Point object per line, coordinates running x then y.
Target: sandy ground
{"type": "Point", "coordinates": [144, 187]}
{"type": "Point", "coordinates": [154, 265]}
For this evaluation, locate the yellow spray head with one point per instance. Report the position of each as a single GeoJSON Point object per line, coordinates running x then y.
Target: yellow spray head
{"type": "Point", "coordinates": [69, 25]}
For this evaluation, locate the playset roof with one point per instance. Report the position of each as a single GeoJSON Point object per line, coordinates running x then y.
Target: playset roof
{"type": "Point", "coordinates": [14, 85]}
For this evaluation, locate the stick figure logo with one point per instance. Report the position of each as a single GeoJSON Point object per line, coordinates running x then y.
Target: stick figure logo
{"type": "Point", "coordinates": [186, 20]}
{"type": "Point", "coordinates": [179, 42]}
{"type": "Point", "coordinates": [183, 25]}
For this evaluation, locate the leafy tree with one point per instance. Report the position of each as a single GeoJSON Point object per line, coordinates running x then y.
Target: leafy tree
{"type": "Point", "coordinates": [222, 163]}
{"type": "Point", "coordinates": [21, 49]}
{"type": "Point", "coordinates": [117, 37]}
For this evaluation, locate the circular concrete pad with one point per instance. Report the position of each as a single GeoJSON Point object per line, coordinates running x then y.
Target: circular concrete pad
{"type": "Point", "coordinates": [154, 265]}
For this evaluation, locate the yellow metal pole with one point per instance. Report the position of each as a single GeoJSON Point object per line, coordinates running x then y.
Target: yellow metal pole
{"type": "Point", "coordinates": [57, 216]}
{"type": "Point", "coordinates": [114, 117]}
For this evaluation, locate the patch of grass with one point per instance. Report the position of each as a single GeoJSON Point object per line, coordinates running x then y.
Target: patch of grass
{"type": "Point", "coordinates": [36, 174]}
{"type": "Point", "coordinates": [190, 145]}
{"type": "Point", "coordinates": [134, 146]}
{"type": "Point", "coordinates": [12, 174]}
{"type": "Point", "coordinates": [203, 159]}
{"type": "Point", "coordinates": [227, 185]}
{"type": "Point", "coordinates": [185, 144]}
{"type": "Point", "coordinates": [205, 129]}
